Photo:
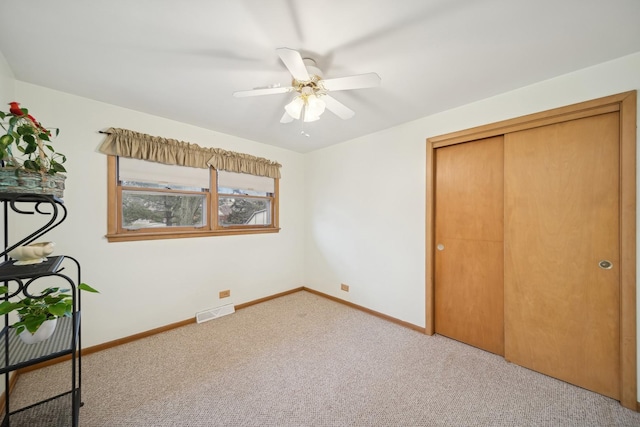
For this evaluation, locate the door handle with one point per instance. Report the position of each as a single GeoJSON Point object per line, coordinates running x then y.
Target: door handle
{"type": "Point", "coordinates": [605, 264]}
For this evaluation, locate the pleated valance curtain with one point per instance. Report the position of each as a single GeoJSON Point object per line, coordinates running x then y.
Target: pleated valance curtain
{"type": "Point", "coordinates": [127, 143]}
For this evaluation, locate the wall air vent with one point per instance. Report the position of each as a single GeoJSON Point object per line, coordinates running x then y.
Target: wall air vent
{"type": "Point", "coordinates": [214, 313]}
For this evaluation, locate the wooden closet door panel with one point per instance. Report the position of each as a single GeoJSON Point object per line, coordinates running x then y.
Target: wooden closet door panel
{"type": "Point", "coordinates": [469, 293]}
{"type": "Point", "coordinates": [561, 219]}
{"type": "Point", "coordinates": [469, 194]}
{"type": "Point", "coordinates": [469, 246]}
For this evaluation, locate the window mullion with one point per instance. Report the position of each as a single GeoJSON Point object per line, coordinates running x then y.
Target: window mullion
{"type": "Point", "coordinates": [275, 204]}
{"type": "Point", "coordinates": [213, 191]}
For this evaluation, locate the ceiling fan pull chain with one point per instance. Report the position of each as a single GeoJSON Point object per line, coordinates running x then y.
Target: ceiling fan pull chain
{"type": "Point", "coordinates": [302, 113]}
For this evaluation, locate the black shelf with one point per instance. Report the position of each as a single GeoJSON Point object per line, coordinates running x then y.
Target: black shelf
{"type": "Point", "coordinates": [55, 411]}
{"type": "Point", "coordinates": [63, 409]}
{"type": "Point", "coordinates": [10, 271]}
{"type": "Point", "coordinates": [49, 207]}
{"type": "Point", "coordinates": [26, 197]}
{"type": "Point", "coordinates": [21, 354]}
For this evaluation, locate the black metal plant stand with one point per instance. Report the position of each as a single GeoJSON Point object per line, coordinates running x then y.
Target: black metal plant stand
{"type": "Point", "coordinates": [61, 409]}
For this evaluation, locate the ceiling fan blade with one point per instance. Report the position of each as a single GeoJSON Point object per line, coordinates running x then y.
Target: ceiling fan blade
{"type": "Point", "coordinates": [359, 81]}
{"type": "Point", "coordinates": [286, 118]}
{"type": "Point", "coordinates": [337, 107]}
{"type": "Point", "coordinates": [259, 92]}
{"type": "Point", "coordinates": [294, 63]}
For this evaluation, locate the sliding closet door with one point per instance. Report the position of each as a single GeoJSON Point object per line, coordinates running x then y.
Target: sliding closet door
{"type": "Point", "coordinates": [562, 296]}
{"type": "Point", "coordinates": [469, 243]}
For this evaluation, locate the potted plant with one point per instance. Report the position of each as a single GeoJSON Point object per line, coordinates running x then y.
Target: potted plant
{"type": "Point", "coordinates": [37, 316]}
{"type": "Point", "coordinates": [30, 164]}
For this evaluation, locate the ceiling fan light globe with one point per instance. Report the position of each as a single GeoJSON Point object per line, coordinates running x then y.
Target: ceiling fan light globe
{"type": "Point", "coordinates": [294, 108]}
{"type": "Point", "coordinates": [309, 117]}
{"type": "Point", "coordinates": [315, 106]}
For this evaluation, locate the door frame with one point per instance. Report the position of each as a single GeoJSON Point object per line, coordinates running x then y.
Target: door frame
{"type": "Point", "coordinates": [626, 104]}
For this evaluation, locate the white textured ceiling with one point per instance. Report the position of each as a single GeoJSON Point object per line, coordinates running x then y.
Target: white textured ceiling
{"type": "Point", "coordinates": [184, 59]}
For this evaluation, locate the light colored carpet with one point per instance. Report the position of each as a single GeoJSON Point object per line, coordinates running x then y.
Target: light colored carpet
{"type": "Point", "coordinates": [303, 360]}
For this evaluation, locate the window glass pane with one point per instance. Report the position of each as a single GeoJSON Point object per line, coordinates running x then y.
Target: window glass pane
{"type": "Point", "coordinates": [152, 185]}
{"type": "Point", "coordinates": [245, 181]}
{"type": "Point", "coordinates": [135, 170]}
{"type": "Point", "coordinates": [243, 211]}
{"type": "Point", "coordinates": [225, 190]}
{"type": "Point", "coordinates": [147, 209]}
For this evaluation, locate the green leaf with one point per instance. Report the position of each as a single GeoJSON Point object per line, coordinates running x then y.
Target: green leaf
{"type": "Point", "coordinates": [57, 167]}
{"type": "Point", "coordinates": [31, 148]}
{"type": "Point", "coordinates": [30, 139]}
{"type": "Point", "coordinates": [8, 307]}
{"type": "Point", "coordinates": [44, 137]}
{"type": "Point", "coordinates": [85, 287]}
{"type": "Point", "coordinates": [32, 323]}
{"type": "Point", "coordinates": [2, 115]}
{"type": "Point", "coordinates": [59, 309]}
{"type": "Point", "coordinates": [6, 140]}
{"type": "Point", "coordinates": [31, 165]}
{"type": "Point", "coordinates": [52, 299]}
{"type": "Point", "coordinates": [4, 290]}
{"type": "Point", "coordinates": [25, 129]}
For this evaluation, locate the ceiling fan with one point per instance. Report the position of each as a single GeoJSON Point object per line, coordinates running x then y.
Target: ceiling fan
{"type": "Point", "coordinates": [311, 89]}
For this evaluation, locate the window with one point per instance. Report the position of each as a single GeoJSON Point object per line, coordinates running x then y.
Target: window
{"type": "Point", "coordinates": [149, 200]}
{"type": "Point", "coordinates": [244, 200]}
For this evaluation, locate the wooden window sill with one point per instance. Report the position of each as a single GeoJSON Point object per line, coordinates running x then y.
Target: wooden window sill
{"type": "Point", "coordinates": [143, 235]}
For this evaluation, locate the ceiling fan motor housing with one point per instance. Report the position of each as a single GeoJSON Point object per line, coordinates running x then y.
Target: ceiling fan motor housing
{"type": "Point", "coordinates": [313, 85]}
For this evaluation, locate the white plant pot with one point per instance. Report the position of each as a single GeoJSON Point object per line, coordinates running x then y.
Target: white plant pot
{"type": "Point", "coordinates": [44, 332]}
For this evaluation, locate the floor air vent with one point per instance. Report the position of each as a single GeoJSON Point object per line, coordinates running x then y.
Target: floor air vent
{"type": "Point", "coordinates": [214, 313]}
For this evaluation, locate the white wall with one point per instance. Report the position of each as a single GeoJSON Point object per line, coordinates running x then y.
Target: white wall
{"type": "Point", "coordinates": [148, 284]}
{"type": "Point", "coordinates": [7, 83]}
{"type": "Point", "coordinates": [366, 222]}
{"type": "Point", "coordinates": [365, 199]}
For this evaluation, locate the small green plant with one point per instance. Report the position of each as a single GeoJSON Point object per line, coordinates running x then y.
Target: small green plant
{"type": "Point", "coordinates": [33, 312]}
{"type": "Point", "coordinates": [31, 141]}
